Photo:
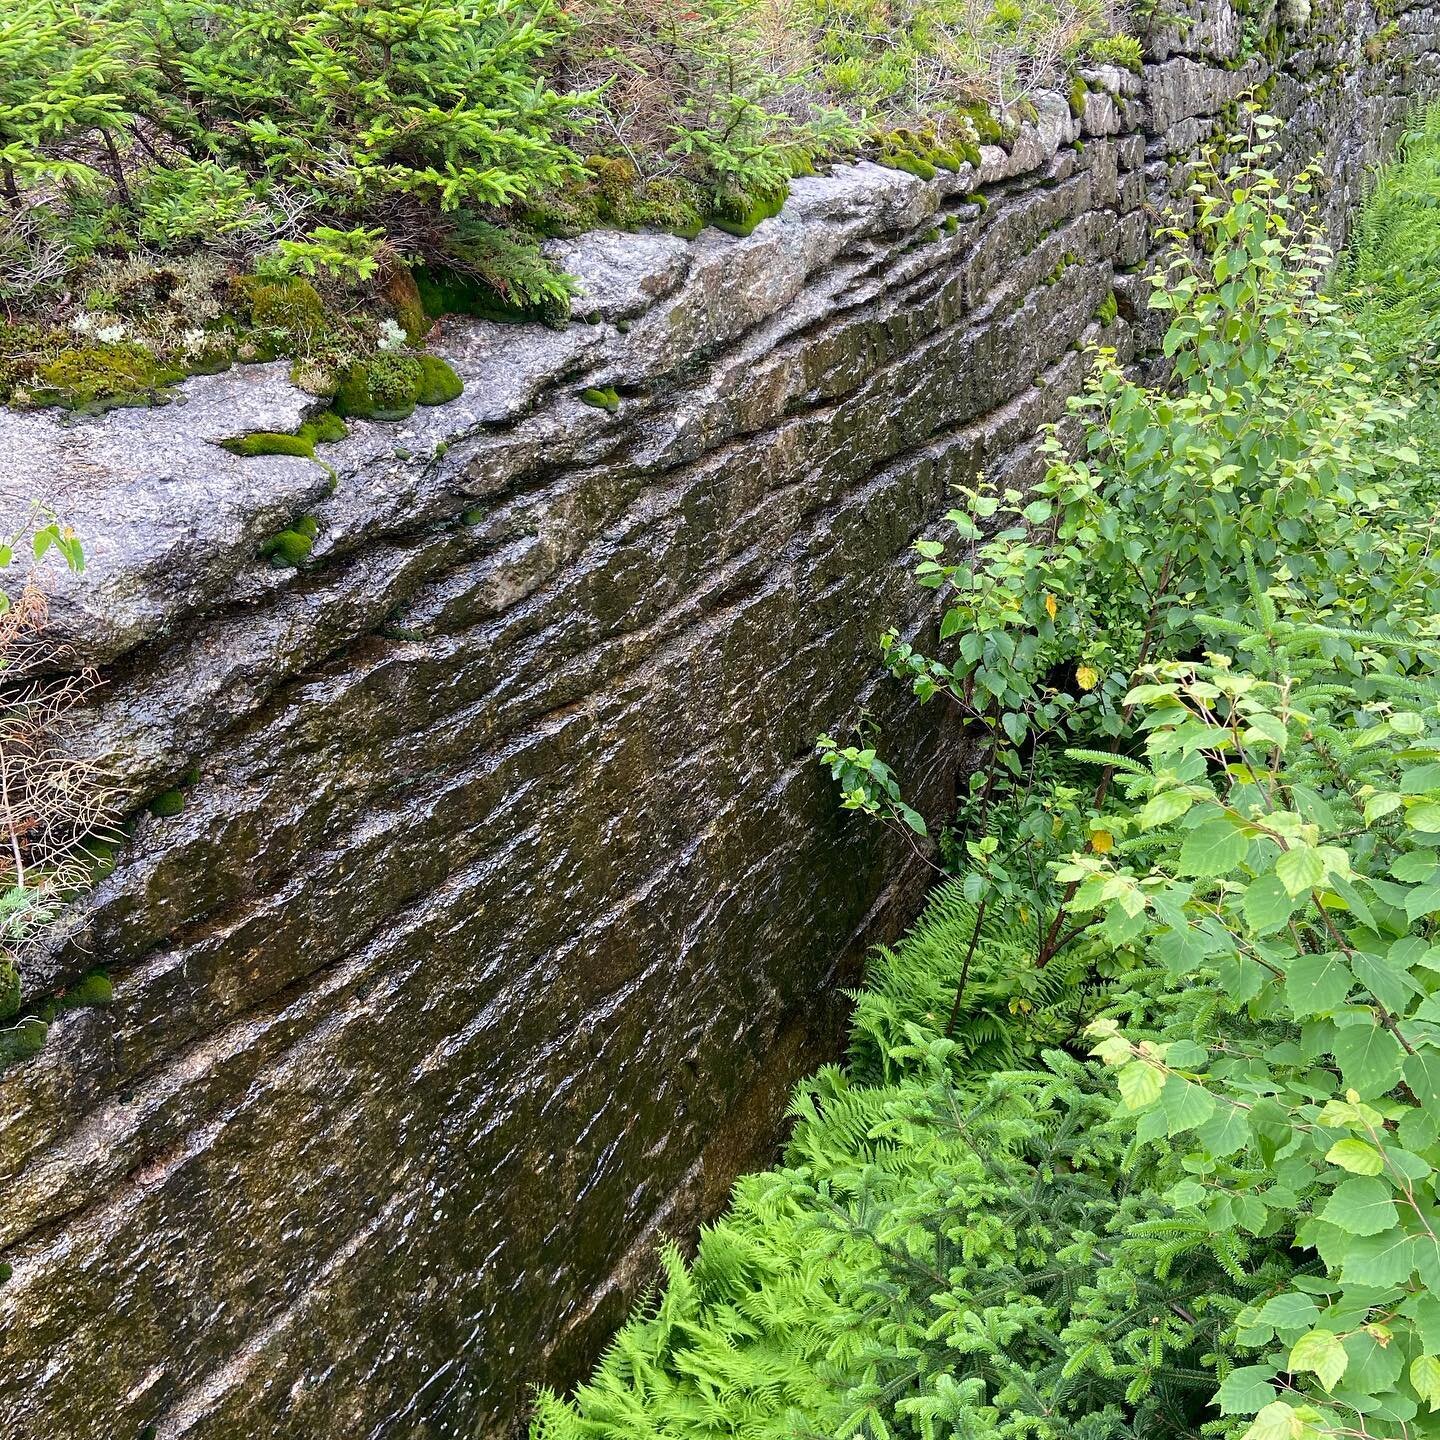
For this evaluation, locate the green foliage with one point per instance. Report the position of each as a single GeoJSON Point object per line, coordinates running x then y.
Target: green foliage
{"type": "Point", "coordinates": [1121, 50]}
{"type": "Point", "coordinates": [1290, 813]}
{"type": "Point", "coordinates": [331, 144]}
{"type": "Point", "coordinates": [356, 106]}
{"type": "Point", "coordinates": [1391, 268]}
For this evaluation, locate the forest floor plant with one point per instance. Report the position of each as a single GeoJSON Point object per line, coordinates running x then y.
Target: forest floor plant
{"type": "Point", "coordinates": [1225, 608]}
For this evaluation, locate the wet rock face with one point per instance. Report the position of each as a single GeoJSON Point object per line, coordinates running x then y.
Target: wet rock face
{"type": "Point", "coordinates": [506, 901]}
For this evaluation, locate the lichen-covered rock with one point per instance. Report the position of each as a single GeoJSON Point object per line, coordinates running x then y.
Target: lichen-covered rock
{"type": "Point", "coordinates": [481, 898]}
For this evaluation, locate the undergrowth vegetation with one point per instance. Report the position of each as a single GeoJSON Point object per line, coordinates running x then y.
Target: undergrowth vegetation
{"type": "Point", "coordinates": [184, 183]}
{"type": "Point", "coordinates": [52, 803]}
{"type": "Point", "coordinates": [1140, 1129]}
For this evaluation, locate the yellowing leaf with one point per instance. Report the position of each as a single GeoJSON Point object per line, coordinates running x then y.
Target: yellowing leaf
{"type": "Point", "coordinates": [1277, 1421]}
{"type": "Point", "coordinates": [1140, 1084]}
{"type": "Point", "coordinates": [1051, 608]}
{"type": "Point", "coordinates": [1322, 1353]}
{"type": "Point", "coordinates": [1425, 1377]}
{"type": "Point", "coordinates": [1357, 1156]}
{"type": "Point", "coordinates": [1102, 842]}
{"type": "Point", "coordinates": [1087, 677]}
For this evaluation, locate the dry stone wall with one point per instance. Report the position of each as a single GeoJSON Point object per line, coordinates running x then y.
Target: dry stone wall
{"type": "Point", "coordinates": [506, 902]}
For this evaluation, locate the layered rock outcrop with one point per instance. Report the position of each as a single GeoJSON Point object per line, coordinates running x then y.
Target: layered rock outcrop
{"type": "Point", "coordinates": [506, 901]}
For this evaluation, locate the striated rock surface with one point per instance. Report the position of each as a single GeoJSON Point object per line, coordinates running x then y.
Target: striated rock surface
{"type": "Point", "coordinates": [507, 902]}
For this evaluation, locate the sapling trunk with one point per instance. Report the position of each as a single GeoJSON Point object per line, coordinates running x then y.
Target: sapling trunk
{"type": "Point", "coordinates": [117, 170]}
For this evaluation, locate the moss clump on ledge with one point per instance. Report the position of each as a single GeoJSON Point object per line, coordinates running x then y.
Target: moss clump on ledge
{"type": "Point", "coordinates": [1108, 310]}
{"type": "Point", "coordinates": [94, 377]}
{"type": "Point", "coordinates": [325, 429]}
{"type": "Point", "coordinates": [267, 442]}
{"type": "Point", "coordinates": [167, 804]}
{"type": "Point", "coordinates": [389, 387]}
{"type": "Point", "coordinates": [606, 399]}
{"type": "Point", "coordinates": [438, 383]}
{"type": "Point", "coordinates": [291, 548]}
{"type": "Point", "coordinates": [738, 213]}
{"type": "Point", "coordinates": [94, 989]}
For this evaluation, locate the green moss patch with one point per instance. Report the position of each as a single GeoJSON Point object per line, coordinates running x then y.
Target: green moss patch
{"type": "Point", "coordinates": [167, 804]}
{"type": "Point", "coordinates": [388, 387]}
{"type": "Point", "coordinates": [22, 1041]}
{"type": "Point", "coordinates": [291, 305]}
{"type": "Point", "coordinates": [102, 377]}
{"type": "Point", "coordinates": [740, 214]}
{"type": "Point", "coordinates": [267, 442]}
{"type": "Point", "coordinates": [438, 383]}
{"type": "Point", "coordinates": [325, 429]}
{"type": "Point", "coordinates": [9, 988]}
{"type": "Point", "coordinates": [606, 399]}
{"type": "Point", "coordinates": [291, 548]}
{"type": "Point", "coordinates": [95, 989]}
{"type": "Point", "coordinates": [385, 387]}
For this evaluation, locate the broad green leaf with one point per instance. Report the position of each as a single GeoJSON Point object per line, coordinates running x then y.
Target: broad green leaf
{"type": "Point", "coordinates": [1414, 867]}
{"type": "Point", "coordinates": [1422, 1075]}
{"type": "Point", "coordinates": [1322, 1353]}
{"type": "Point", "coordinates": [1246, 1389]}
{"type": "Point", "coordinates": [1277, 1421]}
{"type": "Point", "coordinates": [1317, 984]}
{"type": "Point", "coordinates": [1161, 809]}
{"type": "Point", "coordinates": [1392, 985]}
{"type": "Point", "coordinates": [1363, 1206]}
{"type": "Point", "coordinates": [1268, 905]}
{"type": "Point", "coordinates": [1357, 1156]}
{"type": "Point", "coordinates": [1424, 817]}
{"type": "Point", "coordinates": [1268, 729]}
{"type": "Point", "coordinates": [1420, 779]}
{"type": "Point", "coordinates": [1424, 1310]}
{"type": "Point", "coordinates": [1384, 1259]}
{"type": "Point", "coordinates": [1300, 869]}
{"type": "Point", "coordinates": [1225, 1132]}
{"type": "Point", "coordinates": [1185, 1104]}
{"type": "Point", "coordinates": [1375, 1361]}
{"type": "Point", "coordinates": [1214, 848]}
{"type": "Point", "coordinates": [1369, 1058]}
{"type": "Point", "coordinates": [1289, 1311]}
{"type": "Point", "coordinates": [1380, 804]}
